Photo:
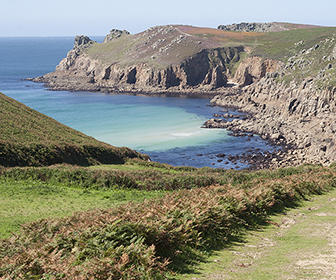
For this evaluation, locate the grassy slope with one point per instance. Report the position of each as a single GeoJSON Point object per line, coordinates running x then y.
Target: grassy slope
{"type": "Point", "coordinates": [277, 45]}
{"type": "Point", "coordinates": [31, 138]}
{"type": "Point", "coordinates": [185, 225]}
{"type": "Point", "coordinates": [146, 47]}
{"type": "Point", "coordinates": [24, 201]}
{"type": "Point", "coordinates": [280, 45]}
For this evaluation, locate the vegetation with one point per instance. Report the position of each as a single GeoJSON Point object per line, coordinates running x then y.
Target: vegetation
{"type": "Point", "coordinates": [28, 200]}
{"type": "Point", "coordinates": [29, 138]}
{"type": "Point", "coordinates": [307, 49]}
{"type": "Point", "coordinates": [281, 45]}
{"type": "Point", "coordinates": [295, 244]}
{"type": "Point", "coordinates": [156, 238]}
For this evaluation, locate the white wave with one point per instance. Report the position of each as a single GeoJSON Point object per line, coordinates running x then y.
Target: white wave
{"type": "Point", "coordinates": [184, 134]}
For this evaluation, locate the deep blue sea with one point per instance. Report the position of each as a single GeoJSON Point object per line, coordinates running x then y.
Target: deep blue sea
{"type": "Point", "coordinates": [165, 128]}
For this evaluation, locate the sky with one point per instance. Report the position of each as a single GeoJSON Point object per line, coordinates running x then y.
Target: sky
{"type": "Point", "coordinates": [97, 17]}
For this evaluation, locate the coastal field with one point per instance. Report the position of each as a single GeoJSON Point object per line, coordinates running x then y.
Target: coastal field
{"type": "Point", "coordinates": [196, 212]}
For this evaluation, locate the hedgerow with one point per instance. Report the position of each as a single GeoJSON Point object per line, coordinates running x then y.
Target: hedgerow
{"type": "Point", "coordinates": [156, 238]}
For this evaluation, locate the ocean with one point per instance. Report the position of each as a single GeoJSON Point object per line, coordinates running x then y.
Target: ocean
{"type": "Point", "coordinates": [168, 129]}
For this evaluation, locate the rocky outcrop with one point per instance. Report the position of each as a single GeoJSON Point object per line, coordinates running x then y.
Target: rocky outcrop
{"type": "Point", "coordinates": [81, 44]}
{"type": "Point", "coordinates": [293, 106]}
{"type": "Point", "coordinates": [253, 69]}
{"type": "Point", "coordinates": [297, 115]}
{"type": "Point", "coordinates": [205, 71]}
{"type": "Point", "coordinates": [114, 34]}
{"type": "Point", "coordinates": [263, 27]}
{"type": "Point", "coordinates": [251, 27]}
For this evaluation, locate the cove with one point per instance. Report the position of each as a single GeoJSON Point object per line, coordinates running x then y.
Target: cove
{"type": "Point", "coordinates": [168, 129]}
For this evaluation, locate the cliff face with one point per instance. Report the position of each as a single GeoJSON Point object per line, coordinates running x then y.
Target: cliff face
{"type": "Point", "coordinates": [207, 69]}
{"type": "Point", "coordinates": [81, 44]}
{"type": "Point", "coordinates": [162, 59]}
{"type": "Point", "coordinates": [290, 109]}
{"type": "Point", "coordinates": [253, 69]}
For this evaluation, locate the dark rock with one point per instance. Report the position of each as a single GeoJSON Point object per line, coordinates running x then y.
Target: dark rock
{"type": "Point", "coordinates": [81, 41]}
{"type": "Point", "coordinates": [250, 27]}
{"type": "Point", "coordinates": [115, 33]}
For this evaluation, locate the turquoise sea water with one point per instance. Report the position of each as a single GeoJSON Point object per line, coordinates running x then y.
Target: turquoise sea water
{"type": "Point", "coordinates": [167, 129]}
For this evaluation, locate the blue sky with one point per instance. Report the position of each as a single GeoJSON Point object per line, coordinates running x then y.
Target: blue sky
{"type": "Point", "coordinates": [97, 17]}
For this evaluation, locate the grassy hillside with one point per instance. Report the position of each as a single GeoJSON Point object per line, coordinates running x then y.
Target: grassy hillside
{"type": "Point", "coordinates": [162, 46]}
{"type": "Point", "coordinates": [173, 44]}
{"type": "Point", "coordinates": [28, 137]}
{"type": "Point", "coordinates": [153, 239]}
{"type": "Point", "coordinates": [281, 45]}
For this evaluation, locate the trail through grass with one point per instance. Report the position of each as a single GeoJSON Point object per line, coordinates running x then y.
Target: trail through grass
{"type": "Point", "coordinates": [297, 244]}
{"type": "Point", "coordinates": [204, 211]}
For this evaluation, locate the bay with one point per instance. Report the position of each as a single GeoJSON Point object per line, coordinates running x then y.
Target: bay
{"type": "Point", "coordinates": [168, 129]}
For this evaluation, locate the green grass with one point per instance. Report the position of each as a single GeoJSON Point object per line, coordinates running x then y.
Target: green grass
{"type": "Point", "coordinates": [280, 45]}
{"type": "Point", "coordinates": [273, 252]}
{"type": "Point", "coordinates": [25, 201]}
{"type": "Point", "coordinates": [134, 240]}
{"type": "Point", "coordinates": [31, 138]}
{"type": "Point", "coordinates": [276, 45]}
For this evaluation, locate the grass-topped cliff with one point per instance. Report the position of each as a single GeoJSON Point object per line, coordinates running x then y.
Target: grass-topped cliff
{"type": "Point", "coordinates": [28, 137]}
{"type": "Point", "coordinates": [179, 58]}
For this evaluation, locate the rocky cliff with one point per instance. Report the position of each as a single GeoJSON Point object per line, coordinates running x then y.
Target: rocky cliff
{"type": "Point", "coordinates": [162, 59]}
{"type": "Point", "coordinates": [262, 27]}
{"type": "Point", "coordinates": [114, 34]}
{"type": "Point", "coordinates": [289, 108]}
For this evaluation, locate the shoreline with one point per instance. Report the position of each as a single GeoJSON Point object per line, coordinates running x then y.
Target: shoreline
{"type": "Point", "coordinates": [77, 84]}
{"type": "Point", "coordinates": [254, 158]}
{"type": "Point", "coordinates": [263, 120]}
{"type": "Point", "coordinates": [257, 160]}
{"type": "Point", "coordinates": [302, 123]}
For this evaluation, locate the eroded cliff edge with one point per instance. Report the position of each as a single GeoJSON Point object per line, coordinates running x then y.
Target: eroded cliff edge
{"type": "Point", "coordinates": [163, 59]}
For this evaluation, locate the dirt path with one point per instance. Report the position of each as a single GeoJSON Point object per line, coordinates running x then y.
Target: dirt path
{"type": "Point", "coordinates": [300, 244]}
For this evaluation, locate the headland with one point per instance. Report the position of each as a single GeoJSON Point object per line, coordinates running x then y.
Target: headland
{"type": "Point", "coordinates": [282, 74]}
